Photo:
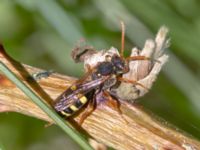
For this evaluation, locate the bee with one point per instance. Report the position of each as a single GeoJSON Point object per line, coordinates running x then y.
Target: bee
{"type": "Point", "coordinates": [95, 86]}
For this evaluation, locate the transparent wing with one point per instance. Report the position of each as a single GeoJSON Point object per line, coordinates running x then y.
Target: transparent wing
{"type": "Point", "coordinates": [71, 94]}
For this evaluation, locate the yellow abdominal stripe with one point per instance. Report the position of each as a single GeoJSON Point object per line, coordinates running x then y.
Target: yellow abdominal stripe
{"type": "Point", "coordinates": [73, 87]}
{"type": "Point", "coordinates": [74, 108]}
{"type": "Point", "coordinates": [64, 113]}
{"type": "Point", "coordinates": [83, 99]}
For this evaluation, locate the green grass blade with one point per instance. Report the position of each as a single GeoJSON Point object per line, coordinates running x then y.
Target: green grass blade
{"type": "Point", "coordinates": [52, 114]}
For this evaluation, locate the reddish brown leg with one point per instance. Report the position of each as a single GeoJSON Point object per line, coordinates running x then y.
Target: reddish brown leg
{"type": "Point", "coordinates": [115, 104]}
{"type": "Point", "coordinates": [88, 110]}
{"type": "Point", "coordinates": [133, 58]}
{"type": "Point", "coordinates": [131, 81]}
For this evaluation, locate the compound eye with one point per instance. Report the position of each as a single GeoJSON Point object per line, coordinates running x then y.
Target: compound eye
{"type": "Point", "coordinates": [118, 62]}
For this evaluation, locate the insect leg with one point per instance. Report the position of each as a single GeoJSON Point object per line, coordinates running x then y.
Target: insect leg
{"type": "Point", "coordinates": [88, 110]}
{"type": "Point", "coordinates": [115, 104]}
{"type": "Point", "coordinates": [133, 58]}
{"type": "Point", "coordinates": [131, 81]}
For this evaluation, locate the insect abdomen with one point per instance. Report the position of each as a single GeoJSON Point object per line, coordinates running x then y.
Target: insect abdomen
{"type": "Point", "coordinates": [74, 107]}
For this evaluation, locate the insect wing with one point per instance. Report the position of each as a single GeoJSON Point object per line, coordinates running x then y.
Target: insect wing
{"type": "Point", "coordinates": [66, 97]}
{"type": "Point", "coordinates": [75, 92]}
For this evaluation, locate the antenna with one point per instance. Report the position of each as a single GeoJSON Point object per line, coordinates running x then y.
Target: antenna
{"type": "Point", "coordinates": [122, 38]}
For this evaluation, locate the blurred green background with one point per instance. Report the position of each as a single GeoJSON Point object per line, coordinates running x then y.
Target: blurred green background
{"type": "Point", "coordinates": [42, 33]}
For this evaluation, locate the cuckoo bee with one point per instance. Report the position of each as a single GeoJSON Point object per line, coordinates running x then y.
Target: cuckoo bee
{"type": "Point", "coordinates": [95, 85]}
